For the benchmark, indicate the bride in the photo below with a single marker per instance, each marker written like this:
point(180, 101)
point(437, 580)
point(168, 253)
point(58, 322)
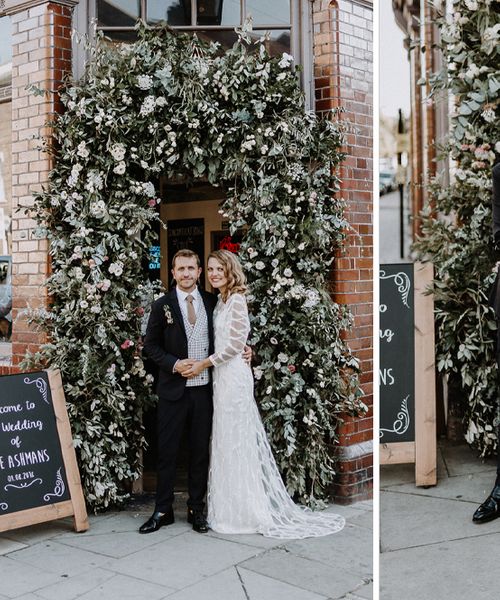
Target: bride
point(245, 491)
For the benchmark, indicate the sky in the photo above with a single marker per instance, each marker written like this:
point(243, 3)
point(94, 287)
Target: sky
point(394, 65)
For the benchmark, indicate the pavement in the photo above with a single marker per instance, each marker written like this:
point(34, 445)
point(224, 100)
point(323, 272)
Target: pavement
point(430, 549)
point(112, 561)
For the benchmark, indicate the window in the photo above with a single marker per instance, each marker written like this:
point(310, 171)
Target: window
point(5, 187)
point(211, 19)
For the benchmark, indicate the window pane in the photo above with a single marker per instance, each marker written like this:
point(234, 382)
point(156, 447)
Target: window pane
point(265, 12)
point(117, 13)
point(121, 36)
point(219, 12)
point(279, 40)
point(174, 12)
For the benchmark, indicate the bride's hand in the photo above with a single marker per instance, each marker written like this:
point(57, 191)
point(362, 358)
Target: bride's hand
point(195, 369)
point(247, 354)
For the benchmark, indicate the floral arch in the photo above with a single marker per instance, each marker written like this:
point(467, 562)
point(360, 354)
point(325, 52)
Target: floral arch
point(171, 105)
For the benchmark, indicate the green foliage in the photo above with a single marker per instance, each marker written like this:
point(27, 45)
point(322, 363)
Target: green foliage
point(171, 105)
point(456, 232)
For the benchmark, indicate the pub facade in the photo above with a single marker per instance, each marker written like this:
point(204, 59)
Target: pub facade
point(331, 40)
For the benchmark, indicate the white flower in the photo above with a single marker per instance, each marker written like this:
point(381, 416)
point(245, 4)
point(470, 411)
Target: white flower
point(285, 61)
point(287, 272)
point(96, 309)
point(116, 268)
point(252, 252)
point(94, 181)
point(258, 372)
point(273, 341)
point(118, 152)
point(144, 82)
point(84, 304)
point(301, 246)
point(269, 389)
point(490, 34)
point(472, 71)
point(312, 298)
point(149, 189)
point(281, 243)
point(471, 4)
point(264, 149)
point(148, 105)
point(161, 101)
point(497, 147)
point(105, 285)
point(83, 151)
point(275, 262)
point(488, 115)
point(282, 357)
point(277, 365)
point(98, 208)
point(78, 273)
point(259, 265)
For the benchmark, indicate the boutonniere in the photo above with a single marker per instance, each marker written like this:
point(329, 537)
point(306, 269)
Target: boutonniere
point(168, 315)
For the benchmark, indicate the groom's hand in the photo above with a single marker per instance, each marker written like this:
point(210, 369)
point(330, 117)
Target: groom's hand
point(183, 365)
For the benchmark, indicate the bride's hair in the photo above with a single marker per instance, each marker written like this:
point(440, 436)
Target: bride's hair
point(236, 280)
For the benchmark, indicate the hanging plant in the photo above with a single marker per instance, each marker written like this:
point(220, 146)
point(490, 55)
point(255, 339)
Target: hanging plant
point(456, 232)
point(170, 105)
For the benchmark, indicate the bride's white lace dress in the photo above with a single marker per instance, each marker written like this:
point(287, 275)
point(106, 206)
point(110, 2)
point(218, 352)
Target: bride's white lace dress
point(245, 491)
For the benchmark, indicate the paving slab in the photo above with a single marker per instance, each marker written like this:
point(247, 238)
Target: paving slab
point(409, 520)
point(121, 544)
point(462, 460)
point(18, 578)
point(225, 585)
point(350, 549)
point(463, 570)
point(53, 557)
point(69, 588)
point(471, 488)
point(43, 531)
point(260, 587)
point(7, 545)
point(182, 560)
point(325, 580)
point(121, 587)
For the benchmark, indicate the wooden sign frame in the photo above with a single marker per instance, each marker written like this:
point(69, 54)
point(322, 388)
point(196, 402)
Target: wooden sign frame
point(423, 451)
point(76, 505)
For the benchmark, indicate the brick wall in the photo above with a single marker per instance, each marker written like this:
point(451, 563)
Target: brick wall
point(343, 56)
point(41, 54)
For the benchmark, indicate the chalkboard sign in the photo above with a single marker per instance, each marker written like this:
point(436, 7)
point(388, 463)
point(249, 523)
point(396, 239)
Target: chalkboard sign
point(407, 369)
point(186, 233)
point(397, 353)
point(39, 478)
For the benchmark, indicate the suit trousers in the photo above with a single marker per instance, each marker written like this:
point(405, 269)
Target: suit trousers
point(195, 410)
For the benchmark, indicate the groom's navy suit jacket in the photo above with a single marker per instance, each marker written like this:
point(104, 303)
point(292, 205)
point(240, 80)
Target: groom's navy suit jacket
point(165, 342)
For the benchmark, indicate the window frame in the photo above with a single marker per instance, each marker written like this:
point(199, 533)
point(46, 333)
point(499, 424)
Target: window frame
point(300, 27)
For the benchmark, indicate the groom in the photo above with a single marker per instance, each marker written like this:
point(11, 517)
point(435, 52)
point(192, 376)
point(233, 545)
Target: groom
point(490, 508)
point(179, 333)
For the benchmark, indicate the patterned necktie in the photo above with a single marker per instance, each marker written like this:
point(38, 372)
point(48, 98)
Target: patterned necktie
point(191, 313)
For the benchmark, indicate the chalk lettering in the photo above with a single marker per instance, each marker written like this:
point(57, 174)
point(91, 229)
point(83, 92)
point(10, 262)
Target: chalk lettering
point(10, 408)
point(386, 377)
point(386, 334)
point(23, 459)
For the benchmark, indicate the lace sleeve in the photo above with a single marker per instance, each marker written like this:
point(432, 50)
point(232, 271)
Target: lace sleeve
point(239, 328)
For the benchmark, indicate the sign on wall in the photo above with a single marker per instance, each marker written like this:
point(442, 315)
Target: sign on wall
point(39, 478)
